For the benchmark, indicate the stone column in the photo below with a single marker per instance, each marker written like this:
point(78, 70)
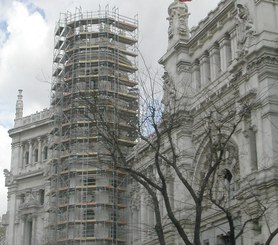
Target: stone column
point(214, 60)
point(20, 157)
point(204, 70)
point(34, 226)
point(196, 76)
point(225, 53)
point(23, 230)
point(233, 44)
point(39, 150)
point(30, 152)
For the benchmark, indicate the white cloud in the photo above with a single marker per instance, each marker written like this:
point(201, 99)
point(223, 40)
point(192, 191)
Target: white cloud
point(24, 56)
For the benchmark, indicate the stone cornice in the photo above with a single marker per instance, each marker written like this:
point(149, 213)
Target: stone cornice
point(213, 17)
point(29, 174)
point(268, 1)
point(30, 126)
point(262, 61)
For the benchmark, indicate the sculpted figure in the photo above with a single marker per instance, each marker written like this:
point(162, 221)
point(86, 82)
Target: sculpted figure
point(9, 178)
point(245, 29)
point(178, 20)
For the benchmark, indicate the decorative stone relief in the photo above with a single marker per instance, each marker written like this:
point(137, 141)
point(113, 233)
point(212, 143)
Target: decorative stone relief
point(135, 197)
point(30, 200)
point(245, 30)
point(9, 178)
point(183, 68)
point(227, 176)
point(165, 98)
point(178, 20)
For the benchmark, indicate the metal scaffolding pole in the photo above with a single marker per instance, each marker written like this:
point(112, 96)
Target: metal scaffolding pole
point(94, 71)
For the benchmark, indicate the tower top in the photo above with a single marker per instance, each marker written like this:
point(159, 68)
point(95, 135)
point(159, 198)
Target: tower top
point(178, 22)
point(177, 4)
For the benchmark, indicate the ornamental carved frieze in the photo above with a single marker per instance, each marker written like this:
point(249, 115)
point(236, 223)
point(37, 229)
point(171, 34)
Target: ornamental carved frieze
point(264, 60)
point(183, 68)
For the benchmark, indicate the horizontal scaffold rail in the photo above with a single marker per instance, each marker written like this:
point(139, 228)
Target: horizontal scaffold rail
point(111, 47)
point(110, 77)
point(73, 22)
point(96, 62)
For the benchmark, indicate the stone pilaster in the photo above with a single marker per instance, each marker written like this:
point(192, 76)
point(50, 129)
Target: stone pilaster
point(214, 60)
point(204, 70)
point(225, 53)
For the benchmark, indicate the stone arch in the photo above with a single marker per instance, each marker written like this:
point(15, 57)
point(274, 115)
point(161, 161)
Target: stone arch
point(36, 155)
point(226, 178)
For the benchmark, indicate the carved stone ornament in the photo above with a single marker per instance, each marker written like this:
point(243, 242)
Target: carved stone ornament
point(9, 178)
point(178, 19)
point(135, 197)
point(245, 30)
point(31, 200)
point(183, 68)
point(169, 92)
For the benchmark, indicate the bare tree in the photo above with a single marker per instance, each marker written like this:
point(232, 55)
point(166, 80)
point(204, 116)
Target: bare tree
point(204, 176)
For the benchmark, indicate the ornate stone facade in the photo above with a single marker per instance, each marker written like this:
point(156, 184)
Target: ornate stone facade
point(226, 63)
point(27, 203)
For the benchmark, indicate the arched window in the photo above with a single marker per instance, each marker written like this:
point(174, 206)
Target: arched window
point(45, 153)
point(41, 196)
point(224, 180)
point(26, 158)
point(90, 214)
point(36, 155)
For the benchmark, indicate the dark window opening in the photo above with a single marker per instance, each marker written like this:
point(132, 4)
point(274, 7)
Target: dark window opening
point(89, 181)
point(90, 214)
point(89, 230)
point(26, 157)
point(45, 153)
point(36, 155)
point(41, 196)
point(228, 175)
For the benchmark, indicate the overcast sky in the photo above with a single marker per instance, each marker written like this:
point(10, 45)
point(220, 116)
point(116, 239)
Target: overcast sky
point(26, 48)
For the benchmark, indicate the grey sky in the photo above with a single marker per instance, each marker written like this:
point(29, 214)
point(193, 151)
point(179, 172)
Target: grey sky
point(26, 47)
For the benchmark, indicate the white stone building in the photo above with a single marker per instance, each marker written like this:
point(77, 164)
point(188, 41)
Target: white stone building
point(229, 60)
point(26, 217)
point(62, 185)
point(226, 63)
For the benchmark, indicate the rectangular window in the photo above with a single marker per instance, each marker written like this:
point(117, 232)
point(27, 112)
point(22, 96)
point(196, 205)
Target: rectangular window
point(206, 242)
point(89, 181)
point(89, 230)
point(41, 196)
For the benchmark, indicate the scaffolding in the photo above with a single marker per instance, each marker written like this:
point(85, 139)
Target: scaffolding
point(95, 61)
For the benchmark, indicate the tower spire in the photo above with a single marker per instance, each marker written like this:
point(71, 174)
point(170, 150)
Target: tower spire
point(19, 105)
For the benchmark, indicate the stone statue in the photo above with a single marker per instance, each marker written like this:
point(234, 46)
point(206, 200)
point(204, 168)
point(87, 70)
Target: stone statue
point(9, 178)
point(178, 20)
point(169, 93)
point(30, 200)
point(245, 30)
point(7, 173)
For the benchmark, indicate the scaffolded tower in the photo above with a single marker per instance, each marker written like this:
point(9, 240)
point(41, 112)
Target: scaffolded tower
point(94, 74)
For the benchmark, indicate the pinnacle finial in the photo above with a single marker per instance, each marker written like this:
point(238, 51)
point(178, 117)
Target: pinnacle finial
point(178, 22)
point(19, 105)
